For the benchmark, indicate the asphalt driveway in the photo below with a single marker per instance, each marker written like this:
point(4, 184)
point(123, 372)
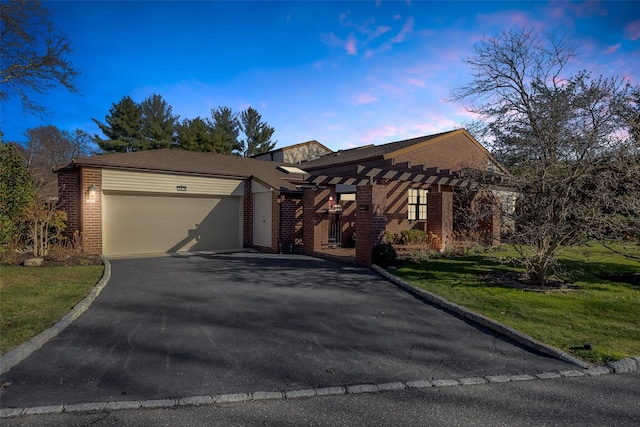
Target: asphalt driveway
point(172, 327)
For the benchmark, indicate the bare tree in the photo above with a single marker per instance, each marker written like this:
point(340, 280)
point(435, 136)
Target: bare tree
point(34, 54)
point(565, 138)
point(48, 147)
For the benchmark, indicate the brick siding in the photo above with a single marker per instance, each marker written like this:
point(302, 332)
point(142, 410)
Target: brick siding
point(91, 210)
point(69, 198)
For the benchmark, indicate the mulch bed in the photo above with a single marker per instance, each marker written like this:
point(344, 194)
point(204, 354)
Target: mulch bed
point(521, 281)
point(66, 261)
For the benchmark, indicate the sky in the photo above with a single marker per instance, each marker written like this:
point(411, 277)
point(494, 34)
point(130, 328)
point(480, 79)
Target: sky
point(346, 74)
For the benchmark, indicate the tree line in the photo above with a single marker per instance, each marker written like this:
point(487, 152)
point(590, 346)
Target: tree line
point(151, 125)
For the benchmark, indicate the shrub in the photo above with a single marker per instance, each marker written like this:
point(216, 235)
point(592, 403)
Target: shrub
point(410, 237)
point(384, 255)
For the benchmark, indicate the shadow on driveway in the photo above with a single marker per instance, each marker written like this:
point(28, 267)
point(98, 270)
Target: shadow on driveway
point(171, 327)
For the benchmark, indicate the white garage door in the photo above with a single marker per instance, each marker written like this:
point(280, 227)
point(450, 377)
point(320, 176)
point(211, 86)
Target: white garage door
point(139, 224)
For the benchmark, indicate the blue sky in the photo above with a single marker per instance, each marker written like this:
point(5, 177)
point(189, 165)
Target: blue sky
point(343, 73)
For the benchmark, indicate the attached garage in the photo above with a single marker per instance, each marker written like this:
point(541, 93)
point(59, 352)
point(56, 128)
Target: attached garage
point(145, 213)
point(168, 200)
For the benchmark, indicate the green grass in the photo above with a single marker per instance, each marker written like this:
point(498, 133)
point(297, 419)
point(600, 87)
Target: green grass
point(601, 312)
point(34, 298)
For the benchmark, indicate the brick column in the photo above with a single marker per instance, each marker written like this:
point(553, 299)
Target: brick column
point(371, 219)
point(315, 204)
point(291, 210)
point(440, 216)
point(91, 209)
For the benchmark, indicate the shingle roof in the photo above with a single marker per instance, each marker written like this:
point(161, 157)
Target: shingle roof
point(369, 152)
point(190, 162)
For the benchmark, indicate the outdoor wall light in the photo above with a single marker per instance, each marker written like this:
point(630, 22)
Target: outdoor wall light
point(91, 193)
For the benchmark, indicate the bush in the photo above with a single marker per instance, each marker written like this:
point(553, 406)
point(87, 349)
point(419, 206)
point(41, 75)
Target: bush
point(411, 237)
point(384, 255)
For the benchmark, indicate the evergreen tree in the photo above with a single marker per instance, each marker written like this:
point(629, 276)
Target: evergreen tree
point(123, 129)
point(17, 193)
point(225, 129)
point(195, 135)
point(158, 124)
point(258, 133)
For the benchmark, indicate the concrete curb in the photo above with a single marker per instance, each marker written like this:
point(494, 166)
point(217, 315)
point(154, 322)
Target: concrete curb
point(258, 396)
point(18, 354)
point(498, 327)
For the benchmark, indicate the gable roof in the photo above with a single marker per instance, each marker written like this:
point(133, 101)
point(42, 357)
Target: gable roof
point(301, 144)
point(369, 152)
point(389, 151)
point(194, 163)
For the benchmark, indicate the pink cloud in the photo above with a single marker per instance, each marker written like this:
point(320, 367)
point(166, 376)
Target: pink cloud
point(364, 98)
point(632, 30)
point(350, 45)
point(331, 39)
point(585, 9)
point(504, 19)
point(417, 82)
point(612, 49)
point(397, 17)
point(393, 90)
point(407, 29)
point(382, 132)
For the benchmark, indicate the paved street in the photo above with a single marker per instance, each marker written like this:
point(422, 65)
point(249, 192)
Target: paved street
point(610, 400)
point(172, 327)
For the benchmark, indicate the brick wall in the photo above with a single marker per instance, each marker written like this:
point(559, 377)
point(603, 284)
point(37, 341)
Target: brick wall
point(70, 198)
point(455, 152)
point(291, 218)
point(315, 220)
point(91, 209)
point(371, 219)
point(440, 215)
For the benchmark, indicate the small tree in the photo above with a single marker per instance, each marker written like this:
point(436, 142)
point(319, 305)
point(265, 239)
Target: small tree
point(48, 147)
point(45, 224)
point(558, 134)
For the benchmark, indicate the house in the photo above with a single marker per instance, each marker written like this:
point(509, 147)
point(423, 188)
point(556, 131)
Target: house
point(296, 153)
point(173, 200)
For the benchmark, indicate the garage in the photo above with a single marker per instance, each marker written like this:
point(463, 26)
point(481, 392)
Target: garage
point(158, 201)
point(139, 224)
point(145, 213)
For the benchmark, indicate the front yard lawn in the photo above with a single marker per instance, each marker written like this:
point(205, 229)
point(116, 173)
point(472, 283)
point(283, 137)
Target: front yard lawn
point(34, 298)
point(604, 313)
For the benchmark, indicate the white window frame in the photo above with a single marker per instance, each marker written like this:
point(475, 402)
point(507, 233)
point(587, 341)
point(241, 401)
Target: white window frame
point(417, 204)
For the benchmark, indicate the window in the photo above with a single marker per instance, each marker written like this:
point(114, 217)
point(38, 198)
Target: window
point(417, 208)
